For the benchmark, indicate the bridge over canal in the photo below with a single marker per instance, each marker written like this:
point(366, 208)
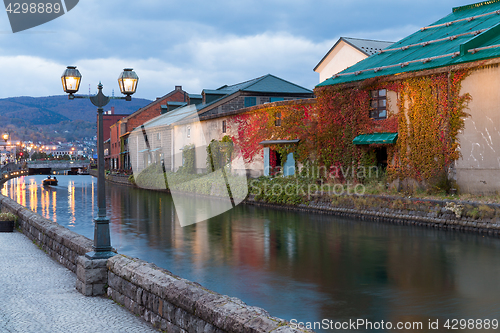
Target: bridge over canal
point(47, 167)
point(10, 167)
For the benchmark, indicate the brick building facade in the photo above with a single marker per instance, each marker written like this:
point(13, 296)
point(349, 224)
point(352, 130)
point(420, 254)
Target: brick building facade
point(109, 118)
point(122, 128)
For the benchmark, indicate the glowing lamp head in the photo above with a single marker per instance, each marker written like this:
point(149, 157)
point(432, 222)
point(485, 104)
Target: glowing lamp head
point(71, 79)
point(128, 82)
point(5, 136)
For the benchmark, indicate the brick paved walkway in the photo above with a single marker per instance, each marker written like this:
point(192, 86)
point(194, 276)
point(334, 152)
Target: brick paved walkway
point(38, 295)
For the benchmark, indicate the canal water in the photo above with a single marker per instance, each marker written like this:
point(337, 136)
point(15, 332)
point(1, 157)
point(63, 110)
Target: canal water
point(298, 266)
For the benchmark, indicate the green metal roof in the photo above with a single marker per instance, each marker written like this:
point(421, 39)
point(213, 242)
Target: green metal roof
point(267, 84)
point(468, 34)
point(174, 103)
point(264, 84)
point(375, 138)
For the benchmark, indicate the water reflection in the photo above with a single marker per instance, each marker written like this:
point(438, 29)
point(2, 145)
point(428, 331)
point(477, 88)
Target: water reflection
point(33, 194)
point(71, 203)
point(60, 203)
point(303, 266)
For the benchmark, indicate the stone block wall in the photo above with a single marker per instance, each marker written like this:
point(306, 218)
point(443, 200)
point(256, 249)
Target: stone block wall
point(443, 214)
point(60, 243)
point(92, 276)
point(118, 179)
point(177, 305)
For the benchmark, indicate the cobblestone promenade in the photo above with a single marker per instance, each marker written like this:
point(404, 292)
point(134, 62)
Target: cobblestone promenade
point(38, 295)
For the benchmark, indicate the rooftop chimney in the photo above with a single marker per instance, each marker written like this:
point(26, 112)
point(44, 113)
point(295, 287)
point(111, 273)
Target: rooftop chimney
point(178, 87)
point(112, 110)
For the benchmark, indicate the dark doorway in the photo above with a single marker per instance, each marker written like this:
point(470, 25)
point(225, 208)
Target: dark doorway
point(278, 158)
point(275, 167)
point(381, 155)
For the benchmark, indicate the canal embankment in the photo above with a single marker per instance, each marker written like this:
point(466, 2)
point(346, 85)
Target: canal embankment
point(60, 243)
point(113, 178)
point(168, 301)
point(451, 214)
point(442, 214)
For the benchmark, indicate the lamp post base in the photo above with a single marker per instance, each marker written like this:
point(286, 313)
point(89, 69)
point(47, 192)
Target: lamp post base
point(92, 276)
point(102, 241)
point(100, 255)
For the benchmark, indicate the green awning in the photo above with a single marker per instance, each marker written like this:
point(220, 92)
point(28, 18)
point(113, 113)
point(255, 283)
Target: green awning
point(278, 142)
point(375, 138)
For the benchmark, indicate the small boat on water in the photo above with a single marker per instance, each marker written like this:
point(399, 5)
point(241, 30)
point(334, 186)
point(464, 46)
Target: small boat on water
point(83, 172)
point(50, 182)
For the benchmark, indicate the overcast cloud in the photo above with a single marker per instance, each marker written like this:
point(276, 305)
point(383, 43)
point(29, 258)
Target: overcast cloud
point(197, 44)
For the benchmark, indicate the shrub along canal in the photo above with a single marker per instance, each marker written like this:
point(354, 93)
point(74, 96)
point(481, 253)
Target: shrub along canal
point(298, 266)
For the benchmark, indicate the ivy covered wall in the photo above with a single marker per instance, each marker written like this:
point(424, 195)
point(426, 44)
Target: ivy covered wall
point(430, 115)
point(433, 115)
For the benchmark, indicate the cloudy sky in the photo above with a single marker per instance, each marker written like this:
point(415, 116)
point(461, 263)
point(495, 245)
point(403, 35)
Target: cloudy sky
point(197, 43)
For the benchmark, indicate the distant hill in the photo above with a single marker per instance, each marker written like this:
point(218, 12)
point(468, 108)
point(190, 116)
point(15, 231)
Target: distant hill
point(53, 115)
point(54, 109)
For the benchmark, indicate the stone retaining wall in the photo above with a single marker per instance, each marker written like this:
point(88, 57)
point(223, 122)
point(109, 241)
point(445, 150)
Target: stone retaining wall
point(119, 179)
point(177, 305)
point(443, 214)
point(60, 243)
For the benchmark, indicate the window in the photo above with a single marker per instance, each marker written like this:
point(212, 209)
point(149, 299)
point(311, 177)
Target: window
point(277, 121)
point(378, 104)
point(250, 101)
point(276, 99)
point(188, 131)
point(158, 136)
point(224, 126)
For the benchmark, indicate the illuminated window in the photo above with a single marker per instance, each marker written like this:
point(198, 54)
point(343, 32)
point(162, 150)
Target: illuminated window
point(378, 104)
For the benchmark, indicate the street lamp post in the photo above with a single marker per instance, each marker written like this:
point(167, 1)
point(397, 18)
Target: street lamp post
point(127, 81)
